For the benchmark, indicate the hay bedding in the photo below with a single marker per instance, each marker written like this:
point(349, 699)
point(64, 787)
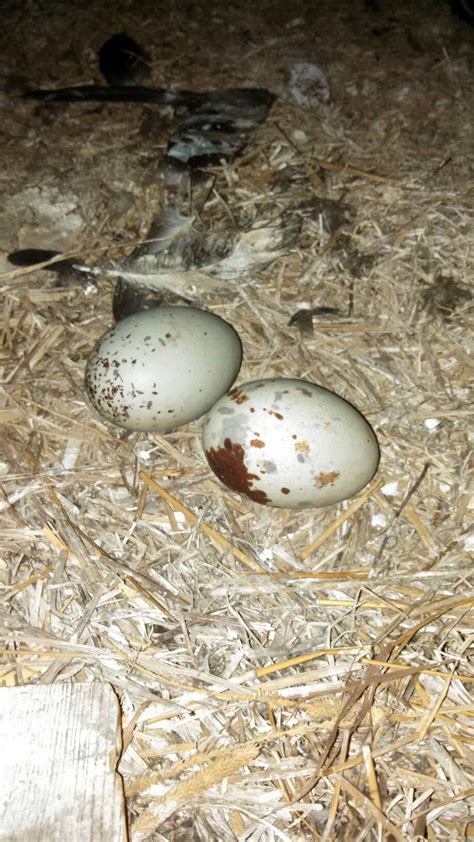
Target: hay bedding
point(282, 675)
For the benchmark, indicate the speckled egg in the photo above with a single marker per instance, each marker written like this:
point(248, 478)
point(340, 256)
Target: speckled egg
point(159, 369)
point(289, 443)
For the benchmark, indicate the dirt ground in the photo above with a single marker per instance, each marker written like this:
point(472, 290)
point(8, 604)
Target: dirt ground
point(283, 675)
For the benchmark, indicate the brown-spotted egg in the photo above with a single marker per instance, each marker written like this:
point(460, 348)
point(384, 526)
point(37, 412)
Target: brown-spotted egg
point(161, 368)
point(289, 443)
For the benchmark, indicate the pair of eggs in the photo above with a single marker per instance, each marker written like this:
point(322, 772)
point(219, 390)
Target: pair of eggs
point(282, 442)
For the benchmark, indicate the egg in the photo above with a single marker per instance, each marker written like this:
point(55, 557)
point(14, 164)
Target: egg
point(161, 368)
point(289, 443)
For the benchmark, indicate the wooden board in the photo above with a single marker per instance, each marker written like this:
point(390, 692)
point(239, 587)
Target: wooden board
point(59, 748)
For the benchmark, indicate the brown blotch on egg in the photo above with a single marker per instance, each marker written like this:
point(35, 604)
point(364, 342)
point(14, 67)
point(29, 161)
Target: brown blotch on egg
point(257, 443)
point(228, 464)
point(237, 396)
point(324, 479)
point(302, 447)
point(274, 413)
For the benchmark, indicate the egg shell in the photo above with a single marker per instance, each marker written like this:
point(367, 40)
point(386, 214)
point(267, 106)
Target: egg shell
point(289, 443)
point(161, 368)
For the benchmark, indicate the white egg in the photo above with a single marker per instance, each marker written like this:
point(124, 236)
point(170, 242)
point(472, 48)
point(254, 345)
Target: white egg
point(289, 443)
point(159, 369)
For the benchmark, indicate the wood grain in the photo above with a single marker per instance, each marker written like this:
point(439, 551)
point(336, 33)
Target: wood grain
point(60, 746)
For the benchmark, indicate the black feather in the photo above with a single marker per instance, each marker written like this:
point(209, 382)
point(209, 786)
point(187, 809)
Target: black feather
point(124, 93)
point(464, 9)
point(218, 126)
point(123, 62)
point(67, 270)
point(29, 257)
point(128, 299)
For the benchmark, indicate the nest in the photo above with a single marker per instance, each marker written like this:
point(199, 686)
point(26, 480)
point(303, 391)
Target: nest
point(282, 675)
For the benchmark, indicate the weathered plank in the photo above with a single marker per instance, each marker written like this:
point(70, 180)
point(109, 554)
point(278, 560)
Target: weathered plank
point(59, 748)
